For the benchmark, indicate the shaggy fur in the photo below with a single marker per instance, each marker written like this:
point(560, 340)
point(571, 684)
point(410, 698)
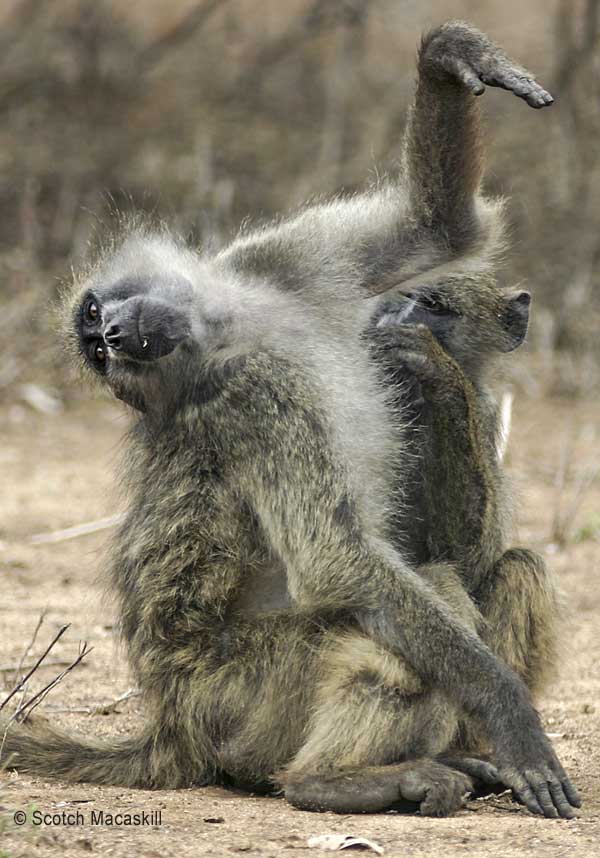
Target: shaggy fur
point(439, 348)
point(264, 453)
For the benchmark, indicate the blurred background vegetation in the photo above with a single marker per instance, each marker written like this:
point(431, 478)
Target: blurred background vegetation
point(211, 112)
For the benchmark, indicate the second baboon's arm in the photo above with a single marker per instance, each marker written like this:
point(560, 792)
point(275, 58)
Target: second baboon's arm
point(300, 497)
point(462, 493)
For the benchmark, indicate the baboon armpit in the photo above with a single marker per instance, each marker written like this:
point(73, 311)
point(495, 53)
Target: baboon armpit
point(440, 345)
point(260, 462)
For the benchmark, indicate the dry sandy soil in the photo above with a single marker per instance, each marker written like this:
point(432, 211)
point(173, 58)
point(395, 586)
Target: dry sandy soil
point(58, 470)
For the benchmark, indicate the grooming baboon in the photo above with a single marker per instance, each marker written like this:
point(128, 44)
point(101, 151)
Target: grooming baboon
point(268, 621)
point(439, 346)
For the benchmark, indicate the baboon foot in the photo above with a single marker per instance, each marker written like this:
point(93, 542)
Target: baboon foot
point(468, 56)
point(430, 787)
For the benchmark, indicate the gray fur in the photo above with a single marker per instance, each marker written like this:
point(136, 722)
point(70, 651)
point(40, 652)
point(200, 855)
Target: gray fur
point(264, 444)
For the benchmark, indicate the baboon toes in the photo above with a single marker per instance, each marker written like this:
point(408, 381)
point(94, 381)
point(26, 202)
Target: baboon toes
point(438, 790)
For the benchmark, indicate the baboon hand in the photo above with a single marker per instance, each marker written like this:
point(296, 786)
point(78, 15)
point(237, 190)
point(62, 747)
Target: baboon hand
point(542, 786)
point(412, 348)
point(456, 51)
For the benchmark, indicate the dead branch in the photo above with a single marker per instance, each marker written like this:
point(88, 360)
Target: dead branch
point(18, 667)
point(505, 423)
point(193, 21)
point(319, 18)
point(575, 48)
point(29, 647)
point(30, 672)
point(100, 708)
point(25, 709)
point(107, 708)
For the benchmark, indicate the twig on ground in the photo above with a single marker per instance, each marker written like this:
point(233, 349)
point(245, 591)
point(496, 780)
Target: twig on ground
point(69, 710)
point(29, 646)
point(100, 708)
point(76, 530)
point(25, 709)
point(51, 662)
point(107, 708)
point(26, 706)
point(30, 672)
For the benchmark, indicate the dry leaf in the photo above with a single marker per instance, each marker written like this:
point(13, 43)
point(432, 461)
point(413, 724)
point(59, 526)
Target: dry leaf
point(335, 842)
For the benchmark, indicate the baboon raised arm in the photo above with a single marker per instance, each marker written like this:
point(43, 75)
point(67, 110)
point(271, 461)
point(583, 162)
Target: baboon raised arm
point(442, 152)
point(432, 212)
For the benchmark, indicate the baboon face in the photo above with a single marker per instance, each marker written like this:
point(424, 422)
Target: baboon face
point(127, 328)
point(469, 318)
point(429, 309)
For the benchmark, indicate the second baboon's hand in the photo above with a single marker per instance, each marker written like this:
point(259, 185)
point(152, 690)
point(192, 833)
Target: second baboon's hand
point(413, 348)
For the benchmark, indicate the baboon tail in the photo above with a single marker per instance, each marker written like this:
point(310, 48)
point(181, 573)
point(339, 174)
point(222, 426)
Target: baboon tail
point(37, 748)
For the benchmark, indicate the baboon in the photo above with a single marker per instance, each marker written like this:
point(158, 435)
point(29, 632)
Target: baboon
point(268, 620)
point(439, 346)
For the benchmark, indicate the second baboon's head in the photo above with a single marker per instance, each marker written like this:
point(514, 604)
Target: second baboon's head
point(470, 316)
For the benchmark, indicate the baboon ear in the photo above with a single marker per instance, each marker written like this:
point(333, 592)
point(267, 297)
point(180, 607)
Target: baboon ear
point(515, 319)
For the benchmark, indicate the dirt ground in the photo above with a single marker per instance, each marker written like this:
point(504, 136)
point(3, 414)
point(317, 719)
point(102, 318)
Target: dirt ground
point(57, 471)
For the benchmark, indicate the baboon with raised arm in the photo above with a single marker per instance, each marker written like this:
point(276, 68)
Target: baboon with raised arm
point(268, 620)
point(439, 346)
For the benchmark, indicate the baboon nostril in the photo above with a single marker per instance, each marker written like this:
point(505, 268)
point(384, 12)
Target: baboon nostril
point(112, 337)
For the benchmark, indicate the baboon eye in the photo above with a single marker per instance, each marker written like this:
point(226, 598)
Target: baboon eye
point(91, 311)
point(97, 352)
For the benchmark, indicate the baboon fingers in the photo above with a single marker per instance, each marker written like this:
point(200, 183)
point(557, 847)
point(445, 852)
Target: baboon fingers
point(571, 793)
point(560, 800)
point(521, 85)
point(473, 60)
point(523, 792)
point(461, 70)
point(413, 362)
point(543, 794)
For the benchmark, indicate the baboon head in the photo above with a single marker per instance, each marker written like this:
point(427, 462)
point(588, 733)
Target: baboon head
point(470, 316)
point(139, 315)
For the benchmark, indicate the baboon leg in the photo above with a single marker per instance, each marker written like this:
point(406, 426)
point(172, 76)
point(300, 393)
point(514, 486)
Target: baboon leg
point(371, 711)
point(376, 725)
point(521, 608)
point(434, 788)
